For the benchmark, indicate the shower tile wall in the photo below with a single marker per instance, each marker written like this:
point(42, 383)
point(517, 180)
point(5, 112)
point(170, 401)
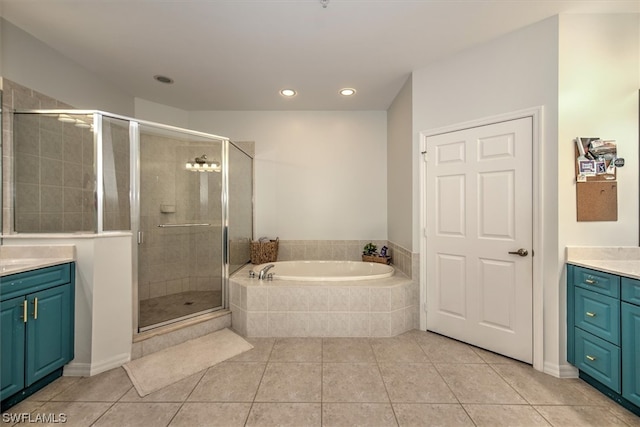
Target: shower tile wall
point(54, 176)
point(14, 97)
point(174, 260)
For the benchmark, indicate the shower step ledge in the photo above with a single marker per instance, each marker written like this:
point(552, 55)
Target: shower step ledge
point(149, 342)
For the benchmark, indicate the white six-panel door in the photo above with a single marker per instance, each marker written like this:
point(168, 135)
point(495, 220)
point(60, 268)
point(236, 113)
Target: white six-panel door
point(479, 208)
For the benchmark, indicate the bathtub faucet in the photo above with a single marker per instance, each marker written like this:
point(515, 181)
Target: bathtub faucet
point(263, 272)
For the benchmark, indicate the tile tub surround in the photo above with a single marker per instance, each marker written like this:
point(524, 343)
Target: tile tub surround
point(368, 308)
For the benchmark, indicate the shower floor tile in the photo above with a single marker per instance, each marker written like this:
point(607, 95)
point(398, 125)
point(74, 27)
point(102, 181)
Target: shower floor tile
point(168, 307)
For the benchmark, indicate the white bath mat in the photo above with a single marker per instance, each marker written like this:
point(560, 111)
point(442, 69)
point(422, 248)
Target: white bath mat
point(165, 367)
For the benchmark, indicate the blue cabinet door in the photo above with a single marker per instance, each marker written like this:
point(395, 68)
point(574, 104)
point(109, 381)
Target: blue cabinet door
point(12, 328)
point(49, 331)
point(631, 352)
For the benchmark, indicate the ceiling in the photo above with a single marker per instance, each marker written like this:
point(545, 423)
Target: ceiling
point(238, 54)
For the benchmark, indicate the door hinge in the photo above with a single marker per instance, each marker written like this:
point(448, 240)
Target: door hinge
point(425, 155)
point(140, 237)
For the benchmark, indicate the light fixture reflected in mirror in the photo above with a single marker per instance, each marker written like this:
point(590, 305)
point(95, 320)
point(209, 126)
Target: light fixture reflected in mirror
point(201, 164)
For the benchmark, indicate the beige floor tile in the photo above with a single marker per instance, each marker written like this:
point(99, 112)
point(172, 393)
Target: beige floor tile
point(26, 406)
point(440, 349)
point(128, 414)
point(78, 414)
point(595, 397)
point(285, 414)
point(259, 353)
point(53, 389)
point(291, 382)
point(177, 392)
point(352, 382)
point(229, 382)
point(398, 350)
point(211, 414)
point(347, 350)
point(425, 415)
point(582, 416)
point(415, 382)
point(297, 350)
point(494, 358)
point(478, 383)
point(505, 416)
point(625, 415)
point(358, 414)
point(541, 389)
point(108, 386)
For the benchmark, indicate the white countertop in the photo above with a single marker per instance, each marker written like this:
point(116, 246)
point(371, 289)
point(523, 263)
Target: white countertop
point(622, 261)
point(20, 265)
point(18, 259)
point(625, 268)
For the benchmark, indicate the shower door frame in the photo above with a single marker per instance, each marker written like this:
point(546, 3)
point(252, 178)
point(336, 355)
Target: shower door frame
point(138, 237)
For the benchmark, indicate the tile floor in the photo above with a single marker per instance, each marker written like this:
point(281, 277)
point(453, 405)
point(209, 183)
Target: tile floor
point(416, 379)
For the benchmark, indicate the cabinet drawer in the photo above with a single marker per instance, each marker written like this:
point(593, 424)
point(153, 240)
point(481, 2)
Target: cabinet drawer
point(598, 358)
point(598, 314)
point(630, 291)
point(597, 281)
point(34, 280)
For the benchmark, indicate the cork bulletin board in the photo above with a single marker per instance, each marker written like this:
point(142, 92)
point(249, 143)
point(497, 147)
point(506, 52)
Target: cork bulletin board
point(596, 186)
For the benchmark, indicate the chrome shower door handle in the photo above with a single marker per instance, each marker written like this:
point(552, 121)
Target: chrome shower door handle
point(521, 252)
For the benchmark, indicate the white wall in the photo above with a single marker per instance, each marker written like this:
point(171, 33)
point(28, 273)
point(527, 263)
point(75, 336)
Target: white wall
point(159, 113)
point(399, 159)
point(515, 72)
point(599, 82)
point(31, 63)
point(319, 175)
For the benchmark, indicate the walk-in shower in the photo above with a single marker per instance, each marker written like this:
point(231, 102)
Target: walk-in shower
point(186, 196)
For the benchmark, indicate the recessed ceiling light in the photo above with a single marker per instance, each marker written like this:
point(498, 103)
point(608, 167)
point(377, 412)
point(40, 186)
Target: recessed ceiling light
point(163, 79)
point(347, 91)
point(288, 93)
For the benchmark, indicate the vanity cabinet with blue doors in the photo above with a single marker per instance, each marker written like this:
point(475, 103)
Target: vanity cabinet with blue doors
point(37, 329)
point(603, 332)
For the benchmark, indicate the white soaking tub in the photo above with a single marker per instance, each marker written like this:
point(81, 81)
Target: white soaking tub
point(326, 271)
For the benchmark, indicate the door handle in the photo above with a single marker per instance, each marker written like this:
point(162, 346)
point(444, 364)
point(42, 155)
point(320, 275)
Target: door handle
point(35, 308)
point(521, 252)
point(24, 311)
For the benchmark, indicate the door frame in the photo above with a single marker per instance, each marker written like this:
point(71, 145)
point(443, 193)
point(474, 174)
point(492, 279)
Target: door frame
point(536, 113)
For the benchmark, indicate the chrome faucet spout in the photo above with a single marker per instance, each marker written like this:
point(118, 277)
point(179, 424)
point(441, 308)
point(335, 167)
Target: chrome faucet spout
point(263, 272)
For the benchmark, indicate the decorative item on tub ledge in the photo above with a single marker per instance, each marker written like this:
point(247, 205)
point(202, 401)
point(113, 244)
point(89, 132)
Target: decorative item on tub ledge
point(369, 254)
point(264, 250)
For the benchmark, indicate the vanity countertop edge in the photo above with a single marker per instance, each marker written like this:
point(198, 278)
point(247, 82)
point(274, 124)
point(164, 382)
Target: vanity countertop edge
point(622, 261)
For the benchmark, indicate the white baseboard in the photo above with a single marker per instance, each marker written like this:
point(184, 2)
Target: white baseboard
point(74, 369)
point(560, 371)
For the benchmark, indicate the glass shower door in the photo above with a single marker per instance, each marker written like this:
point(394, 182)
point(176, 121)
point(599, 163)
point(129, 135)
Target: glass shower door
point(180, 244)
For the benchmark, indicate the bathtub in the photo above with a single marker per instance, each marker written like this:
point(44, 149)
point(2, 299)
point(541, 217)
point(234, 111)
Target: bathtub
point(323, 299)
point(327, 271)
